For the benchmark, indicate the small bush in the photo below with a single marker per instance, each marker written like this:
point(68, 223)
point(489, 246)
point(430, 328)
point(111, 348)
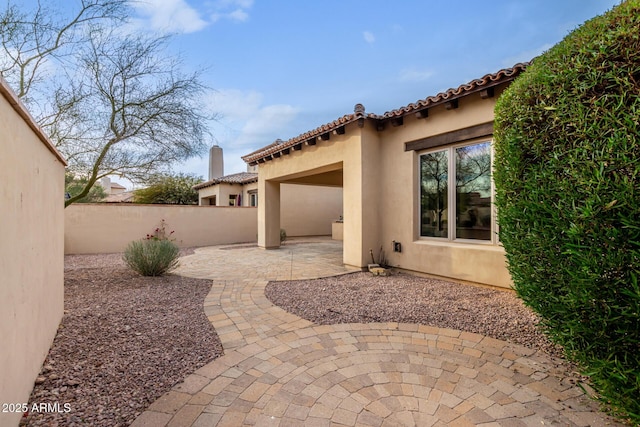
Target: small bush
point(283, 235)
point(567, 175)
point(152, 257)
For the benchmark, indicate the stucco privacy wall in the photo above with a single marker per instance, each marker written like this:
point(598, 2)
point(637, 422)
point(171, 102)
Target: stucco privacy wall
point(104, 228)
point(308, 210)
point(31, 250)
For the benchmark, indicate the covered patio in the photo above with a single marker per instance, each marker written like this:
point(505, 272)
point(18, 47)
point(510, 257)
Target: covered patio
point(347, 157)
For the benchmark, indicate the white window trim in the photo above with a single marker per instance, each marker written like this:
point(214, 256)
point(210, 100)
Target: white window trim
point(451, 207)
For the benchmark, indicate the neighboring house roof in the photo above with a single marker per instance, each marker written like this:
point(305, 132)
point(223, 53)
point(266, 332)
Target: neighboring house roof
point(117, 186)
point(126, 197)
point(485, 83)
point(22, 111)
point(236, 178)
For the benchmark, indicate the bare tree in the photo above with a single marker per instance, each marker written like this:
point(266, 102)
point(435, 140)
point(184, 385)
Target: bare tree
point(31, 39)
point(122, 105)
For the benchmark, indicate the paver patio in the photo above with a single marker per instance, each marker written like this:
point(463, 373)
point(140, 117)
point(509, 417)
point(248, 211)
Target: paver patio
point(281, 370)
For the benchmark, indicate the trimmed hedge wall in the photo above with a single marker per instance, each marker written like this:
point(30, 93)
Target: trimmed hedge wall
point(567, 176)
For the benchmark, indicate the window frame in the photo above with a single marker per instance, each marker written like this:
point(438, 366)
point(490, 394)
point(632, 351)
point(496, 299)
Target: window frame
point(253, 198)
point(451, 194)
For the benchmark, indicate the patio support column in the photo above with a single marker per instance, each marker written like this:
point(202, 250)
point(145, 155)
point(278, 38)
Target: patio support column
point(268, 214)
point(361, 195)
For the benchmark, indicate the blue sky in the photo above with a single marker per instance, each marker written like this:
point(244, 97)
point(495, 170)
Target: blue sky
point(279, 68)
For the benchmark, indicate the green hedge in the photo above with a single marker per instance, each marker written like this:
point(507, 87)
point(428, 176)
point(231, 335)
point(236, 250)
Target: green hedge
point(567, 165)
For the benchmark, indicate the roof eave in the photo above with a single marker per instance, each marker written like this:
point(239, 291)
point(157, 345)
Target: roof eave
point(484, 83)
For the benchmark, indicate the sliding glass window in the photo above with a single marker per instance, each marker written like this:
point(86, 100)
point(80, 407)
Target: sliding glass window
point(456, 194)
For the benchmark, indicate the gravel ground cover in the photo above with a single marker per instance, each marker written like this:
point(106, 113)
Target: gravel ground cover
point(362, 297)
point(125, 339)
point(123, 342)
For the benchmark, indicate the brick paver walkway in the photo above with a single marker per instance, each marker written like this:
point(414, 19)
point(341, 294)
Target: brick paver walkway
point(280, 370)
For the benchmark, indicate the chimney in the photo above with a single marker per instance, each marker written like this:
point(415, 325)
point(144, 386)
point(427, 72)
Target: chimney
point(105, 183)
point(216, 163)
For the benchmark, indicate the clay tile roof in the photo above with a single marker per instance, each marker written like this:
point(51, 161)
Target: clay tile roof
point(277, 148)
point(475, 85)
point(359, 113)
point(236, 178)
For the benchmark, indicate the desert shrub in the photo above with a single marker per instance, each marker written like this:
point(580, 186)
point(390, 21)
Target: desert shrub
point(151, 257)
point(283, 235)
point(567, 168)
point(169, 189)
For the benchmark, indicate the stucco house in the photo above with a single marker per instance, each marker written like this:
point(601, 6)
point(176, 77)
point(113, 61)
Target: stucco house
point(416, 181)
point(238, 189)
point(116, 193)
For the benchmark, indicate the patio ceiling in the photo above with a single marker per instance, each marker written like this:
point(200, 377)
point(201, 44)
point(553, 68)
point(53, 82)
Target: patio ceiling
point(329, 176)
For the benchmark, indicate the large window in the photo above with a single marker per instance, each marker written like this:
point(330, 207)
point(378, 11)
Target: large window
point(456, 193)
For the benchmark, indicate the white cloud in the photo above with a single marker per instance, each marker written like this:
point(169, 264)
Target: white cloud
point(415, 75)
point(245, 125)
point(368, 37)
point(246, 122)
point(169, 16)
point(244, 4)
point(233, 10)
point(238, 15)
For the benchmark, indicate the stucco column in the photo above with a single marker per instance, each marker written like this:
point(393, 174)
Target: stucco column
point(268, 214)
point(361, 192)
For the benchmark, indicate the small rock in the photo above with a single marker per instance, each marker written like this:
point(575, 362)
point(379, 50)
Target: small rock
point(378, 271)
point(40, 380)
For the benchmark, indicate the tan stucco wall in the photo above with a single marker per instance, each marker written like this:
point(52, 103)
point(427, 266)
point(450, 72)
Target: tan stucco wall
point(307, 210)
point(205, 195)
point(31, 251)
point(474, 262)
point(105, 228)
point(245, 192)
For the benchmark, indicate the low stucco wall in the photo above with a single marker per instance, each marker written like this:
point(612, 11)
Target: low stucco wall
point(105, 228)
point(31, 251)
point(309, 210)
